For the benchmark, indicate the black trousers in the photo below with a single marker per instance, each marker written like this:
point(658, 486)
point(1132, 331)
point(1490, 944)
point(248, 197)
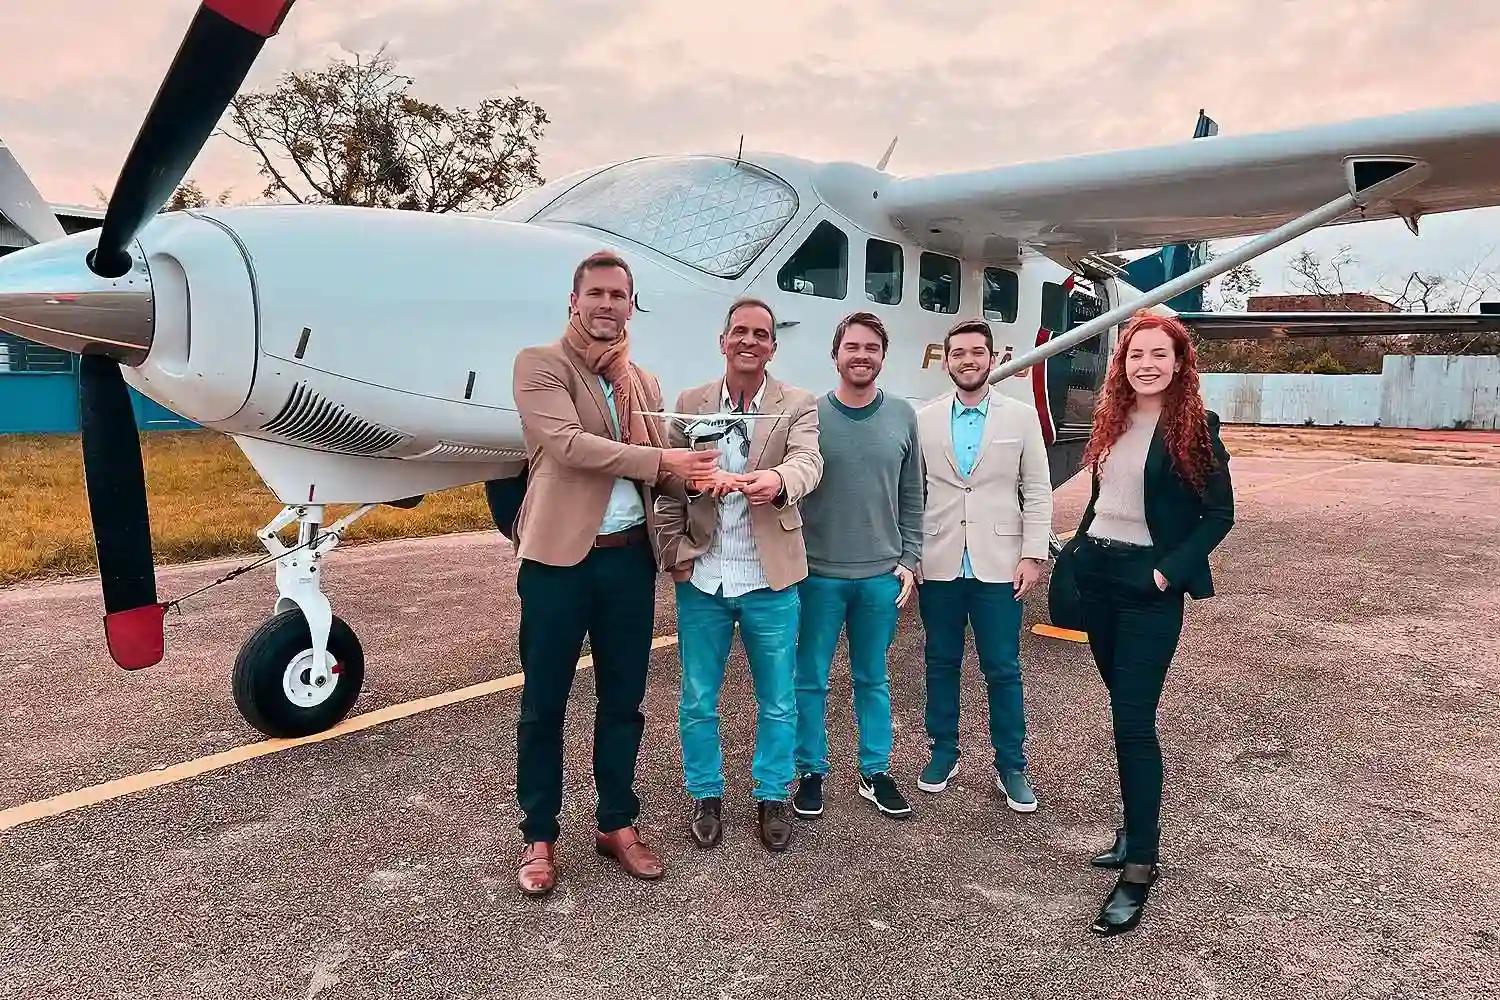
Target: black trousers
point(611, 597)
point(1133, 630)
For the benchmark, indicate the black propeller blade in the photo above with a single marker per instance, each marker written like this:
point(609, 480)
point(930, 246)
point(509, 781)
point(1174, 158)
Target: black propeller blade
point(218, 50)
point(116, 481)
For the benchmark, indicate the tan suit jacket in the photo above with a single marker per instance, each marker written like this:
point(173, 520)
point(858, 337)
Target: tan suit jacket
point(574, 455)
point(790, 446)
point(984, 510)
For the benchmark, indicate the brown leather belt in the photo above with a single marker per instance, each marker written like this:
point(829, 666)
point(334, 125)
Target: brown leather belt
point(620, 539)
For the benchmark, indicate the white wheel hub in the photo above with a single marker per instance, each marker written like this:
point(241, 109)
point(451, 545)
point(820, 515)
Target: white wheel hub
point(301, 685)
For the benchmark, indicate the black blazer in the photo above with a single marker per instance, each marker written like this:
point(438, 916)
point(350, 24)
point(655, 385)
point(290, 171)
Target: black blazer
point(1185, 525)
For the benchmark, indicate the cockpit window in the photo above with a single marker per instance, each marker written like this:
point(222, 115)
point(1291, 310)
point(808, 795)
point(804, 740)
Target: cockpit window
point(713, 214)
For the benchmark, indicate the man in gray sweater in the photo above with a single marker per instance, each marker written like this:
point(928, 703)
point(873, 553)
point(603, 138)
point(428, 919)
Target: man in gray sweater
point(863, 529)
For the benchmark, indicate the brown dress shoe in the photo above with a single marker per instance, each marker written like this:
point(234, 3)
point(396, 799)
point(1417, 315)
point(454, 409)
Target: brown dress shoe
point(707, 826)
point(538, 872)
point(626, 847)
point(775, 826)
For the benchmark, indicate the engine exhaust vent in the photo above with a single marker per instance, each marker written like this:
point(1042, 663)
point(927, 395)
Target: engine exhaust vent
point(311, 419)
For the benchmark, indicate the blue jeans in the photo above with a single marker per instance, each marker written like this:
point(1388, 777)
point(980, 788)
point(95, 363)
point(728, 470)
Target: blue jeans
point(948, 607)
point(868, 607)
point(768, 628)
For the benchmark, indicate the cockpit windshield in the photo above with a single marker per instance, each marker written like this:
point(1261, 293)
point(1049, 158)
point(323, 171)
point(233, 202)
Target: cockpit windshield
point(710, 213)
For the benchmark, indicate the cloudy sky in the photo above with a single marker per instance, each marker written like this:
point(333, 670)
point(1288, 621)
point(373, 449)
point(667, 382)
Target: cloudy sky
point(965, 83)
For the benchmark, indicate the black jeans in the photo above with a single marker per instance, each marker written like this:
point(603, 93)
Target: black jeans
point(1133, 629)
point(611, 596)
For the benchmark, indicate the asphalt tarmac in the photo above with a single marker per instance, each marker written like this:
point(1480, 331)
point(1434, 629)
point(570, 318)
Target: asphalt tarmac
point(1331, 727)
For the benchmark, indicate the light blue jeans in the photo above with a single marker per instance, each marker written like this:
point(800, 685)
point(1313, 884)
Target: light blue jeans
point(768, 628)
point(868, 607)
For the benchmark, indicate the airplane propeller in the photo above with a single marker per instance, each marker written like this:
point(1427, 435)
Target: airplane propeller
point(220, 46)
point(217, 52)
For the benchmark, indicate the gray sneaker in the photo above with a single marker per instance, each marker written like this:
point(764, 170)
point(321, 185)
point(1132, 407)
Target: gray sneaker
point(1017, 791)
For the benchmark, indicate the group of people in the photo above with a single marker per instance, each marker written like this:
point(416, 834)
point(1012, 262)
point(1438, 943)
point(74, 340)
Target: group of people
point(809, 517)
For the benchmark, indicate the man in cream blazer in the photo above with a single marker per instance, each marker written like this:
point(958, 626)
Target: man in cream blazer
point(985, 533)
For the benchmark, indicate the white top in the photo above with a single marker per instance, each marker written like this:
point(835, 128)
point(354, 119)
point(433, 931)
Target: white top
point(1120, 511)
point(732, 560)
point(625, 509)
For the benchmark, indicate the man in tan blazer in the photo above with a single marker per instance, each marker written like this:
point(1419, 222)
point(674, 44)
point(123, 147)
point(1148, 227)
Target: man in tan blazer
point(588, 565)
point(985, 533)
point(736, 554)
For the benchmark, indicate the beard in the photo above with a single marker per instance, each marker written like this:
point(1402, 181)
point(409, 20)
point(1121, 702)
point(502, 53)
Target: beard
point(969, 381)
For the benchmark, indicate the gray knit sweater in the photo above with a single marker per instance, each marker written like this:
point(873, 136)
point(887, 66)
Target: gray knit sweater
point(866, 514)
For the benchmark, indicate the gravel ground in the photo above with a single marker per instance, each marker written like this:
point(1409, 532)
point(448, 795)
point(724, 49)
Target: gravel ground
point(1331, 727)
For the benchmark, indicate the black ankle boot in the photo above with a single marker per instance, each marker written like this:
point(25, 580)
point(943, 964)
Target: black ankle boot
point(1115, 856)
point(1123, 907)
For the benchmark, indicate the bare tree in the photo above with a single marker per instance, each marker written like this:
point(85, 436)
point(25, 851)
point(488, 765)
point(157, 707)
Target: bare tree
point(1330, 281)
point(190, 195)
point(350, 134)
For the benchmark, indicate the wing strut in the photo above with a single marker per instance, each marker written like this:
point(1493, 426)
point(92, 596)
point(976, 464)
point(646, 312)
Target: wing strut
point(1368, 178)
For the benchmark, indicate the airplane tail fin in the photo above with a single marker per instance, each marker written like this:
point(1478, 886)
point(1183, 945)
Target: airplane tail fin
point(1174, 261)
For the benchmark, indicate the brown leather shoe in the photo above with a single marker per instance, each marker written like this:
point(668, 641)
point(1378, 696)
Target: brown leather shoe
point(626, 847)
point(707, 825)
point(775, 826)
point(538, 872)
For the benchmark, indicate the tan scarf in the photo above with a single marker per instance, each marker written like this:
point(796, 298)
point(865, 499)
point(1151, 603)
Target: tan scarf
point(610, 359)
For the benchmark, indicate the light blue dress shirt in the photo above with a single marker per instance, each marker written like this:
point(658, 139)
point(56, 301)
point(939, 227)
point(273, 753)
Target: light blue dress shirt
point(625, 509)
point(968, 434)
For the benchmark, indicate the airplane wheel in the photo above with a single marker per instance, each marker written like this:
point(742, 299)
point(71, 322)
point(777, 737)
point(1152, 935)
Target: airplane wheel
point(273, 684)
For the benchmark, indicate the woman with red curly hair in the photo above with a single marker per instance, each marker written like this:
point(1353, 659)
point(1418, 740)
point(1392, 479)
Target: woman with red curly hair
point(1162, 500)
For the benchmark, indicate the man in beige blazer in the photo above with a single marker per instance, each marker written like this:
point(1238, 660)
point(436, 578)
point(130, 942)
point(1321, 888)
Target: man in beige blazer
point(985, 533)
point(588, 566)
point(737, 555)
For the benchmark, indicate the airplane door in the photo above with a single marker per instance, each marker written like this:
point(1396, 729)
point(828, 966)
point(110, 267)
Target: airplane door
point(1075, 377)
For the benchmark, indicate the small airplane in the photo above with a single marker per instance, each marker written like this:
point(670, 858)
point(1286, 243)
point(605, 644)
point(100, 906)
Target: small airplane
point(363, 356)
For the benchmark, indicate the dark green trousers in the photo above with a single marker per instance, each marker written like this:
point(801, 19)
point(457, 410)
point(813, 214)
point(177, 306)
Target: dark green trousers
point(1133, 630)
point(611, 598)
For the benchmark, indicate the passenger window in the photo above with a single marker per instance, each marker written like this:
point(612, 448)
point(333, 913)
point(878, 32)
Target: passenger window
point(937, 287)
point(1001, 292)
point(820, 266)
point(1054, 307)
point(883, 272)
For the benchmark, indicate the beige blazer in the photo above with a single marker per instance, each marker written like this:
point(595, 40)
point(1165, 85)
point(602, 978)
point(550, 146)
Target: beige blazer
point(1002, 511)
point(574, 456)
point(790, 446)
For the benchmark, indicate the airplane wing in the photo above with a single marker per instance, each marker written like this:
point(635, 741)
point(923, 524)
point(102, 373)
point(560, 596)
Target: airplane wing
point(1200, 189)
point(1278, 325)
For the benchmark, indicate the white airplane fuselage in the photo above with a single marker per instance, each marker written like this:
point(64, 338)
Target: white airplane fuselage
point(364, 355)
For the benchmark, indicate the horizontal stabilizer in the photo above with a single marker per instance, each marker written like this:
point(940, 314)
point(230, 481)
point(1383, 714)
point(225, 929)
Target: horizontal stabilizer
point(1277, 325)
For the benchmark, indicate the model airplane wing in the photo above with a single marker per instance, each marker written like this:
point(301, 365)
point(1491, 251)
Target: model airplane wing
point(1201, 189)
point(1277, 325)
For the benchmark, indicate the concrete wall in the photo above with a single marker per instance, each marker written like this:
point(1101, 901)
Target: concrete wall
point(1420, 392)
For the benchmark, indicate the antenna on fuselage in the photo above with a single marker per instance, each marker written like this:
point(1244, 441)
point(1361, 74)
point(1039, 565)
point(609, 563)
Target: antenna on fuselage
point(888, 151)
point(741, 153)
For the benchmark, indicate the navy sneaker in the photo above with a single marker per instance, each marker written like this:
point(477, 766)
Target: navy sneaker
point(881, 790)
point(808, 801)
point(1017, 791)
point(938, 772)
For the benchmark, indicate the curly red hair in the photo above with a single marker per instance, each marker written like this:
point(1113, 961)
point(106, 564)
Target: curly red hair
point(1184, 421)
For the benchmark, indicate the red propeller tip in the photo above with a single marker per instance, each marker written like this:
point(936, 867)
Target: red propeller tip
point(137, 638)
point(260, 16)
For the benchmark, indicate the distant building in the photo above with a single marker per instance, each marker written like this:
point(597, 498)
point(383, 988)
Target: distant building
point(1347, 302)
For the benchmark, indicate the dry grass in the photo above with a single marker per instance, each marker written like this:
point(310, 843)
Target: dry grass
point(205, 501)
point(1476, 449)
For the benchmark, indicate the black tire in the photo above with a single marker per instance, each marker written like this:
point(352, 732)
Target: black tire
point(262, 664)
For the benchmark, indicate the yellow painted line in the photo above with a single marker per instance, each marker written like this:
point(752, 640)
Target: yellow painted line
point(1251, 491)
point(1053, 632)
point(81, 798)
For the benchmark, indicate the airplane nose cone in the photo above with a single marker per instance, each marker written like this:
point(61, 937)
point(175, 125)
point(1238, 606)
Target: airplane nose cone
point(49, 296)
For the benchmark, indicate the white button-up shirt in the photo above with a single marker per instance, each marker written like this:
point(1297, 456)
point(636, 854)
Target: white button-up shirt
point(732, 560)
